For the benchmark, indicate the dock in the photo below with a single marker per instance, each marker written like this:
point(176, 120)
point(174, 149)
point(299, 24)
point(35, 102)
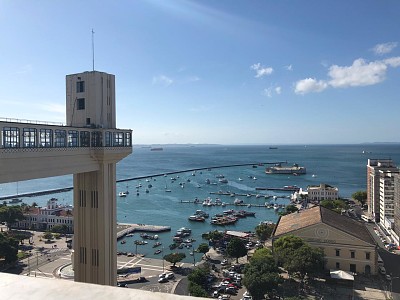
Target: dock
point(125, 229)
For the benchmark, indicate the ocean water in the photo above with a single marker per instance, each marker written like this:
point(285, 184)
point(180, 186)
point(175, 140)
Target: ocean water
point(343, 166)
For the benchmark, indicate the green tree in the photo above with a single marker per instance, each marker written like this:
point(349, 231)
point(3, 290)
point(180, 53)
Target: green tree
point(11, 214)
point(199, 276)
point(261, 253)
point(305, 261)
point(173, 258)
point(203, 248)
point(196, 290)
point(62, 229)
point(360, 196)
point(289, 209)
point(236, 248)
point(264, 231)
point(261, 274)
point(48, 235)
point(297, 257)
point(8, 248)
point(336, 205)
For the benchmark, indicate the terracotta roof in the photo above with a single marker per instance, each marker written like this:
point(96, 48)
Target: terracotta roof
point(297, 220)
point(319, 214)
point(346, 224)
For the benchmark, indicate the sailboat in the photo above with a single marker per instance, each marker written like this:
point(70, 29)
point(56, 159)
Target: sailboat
point(16, 199)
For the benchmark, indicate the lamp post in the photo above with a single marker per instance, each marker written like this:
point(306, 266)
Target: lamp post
point(194, 258)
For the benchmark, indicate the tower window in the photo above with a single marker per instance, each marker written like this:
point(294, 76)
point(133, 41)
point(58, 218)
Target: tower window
point(80, 86)
point(81, 103)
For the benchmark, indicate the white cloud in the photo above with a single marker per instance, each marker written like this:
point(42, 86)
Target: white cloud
point(269, 92)
point(191, 79)
point(394, 62)
point(308, 85)
point(289, 68)
point(261, 71)
point(360, 73)
point(163, 80)
point(385, 48)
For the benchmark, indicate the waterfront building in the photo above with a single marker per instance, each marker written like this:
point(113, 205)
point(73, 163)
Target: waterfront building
point(396, 214)
point(374, 167)
point(347, 243)
point(45, 218)
point(386, 199)
point(88, 147)
point(322, 192)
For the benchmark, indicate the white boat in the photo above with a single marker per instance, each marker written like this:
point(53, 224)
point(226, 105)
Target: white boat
point(122, 194)
point(240, 179)
point(276, 206)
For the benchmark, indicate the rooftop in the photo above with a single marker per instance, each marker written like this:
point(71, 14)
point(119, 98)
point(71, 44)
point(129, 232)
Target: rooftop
point(319, 214)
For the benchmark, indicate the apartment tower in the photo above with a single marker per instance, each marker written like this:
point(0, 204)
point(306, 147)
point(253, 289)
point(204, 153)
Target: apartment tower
point(374, 167)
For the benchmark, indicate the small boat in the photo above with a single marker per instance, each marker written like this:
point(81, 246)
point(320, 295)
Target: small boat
point(129, 235)
point(168, 191)
point(223, 180)
point(172, 246)
point(158, 251)
point(156, 244)
point(191, 253)
point(123, 242)
point(240, 179)
point(122, 194)
point(196, 218)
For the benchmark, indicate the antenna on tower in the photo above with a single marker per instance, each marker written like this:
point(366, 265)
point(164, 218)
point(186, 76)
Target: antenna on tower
point(93, 48)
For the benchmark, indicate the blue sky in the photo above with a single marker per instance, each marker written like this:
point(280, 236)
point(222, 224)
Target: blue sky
point(226, 72)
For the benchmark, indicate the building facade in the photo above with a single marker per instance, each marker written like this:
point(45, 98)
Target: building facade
point(322, 192)
point(45, 218)
point(347, 243)
point(374, 167)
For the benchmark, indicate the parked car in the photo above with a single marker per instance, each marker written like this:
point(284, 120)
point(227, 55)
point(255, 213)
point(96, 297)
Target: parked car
point(122, 284)
point(162, 280)
point(169, 275)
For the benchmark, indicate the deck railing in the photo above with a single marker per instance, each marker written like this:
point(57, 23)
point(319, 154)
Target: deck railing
point(15, 135)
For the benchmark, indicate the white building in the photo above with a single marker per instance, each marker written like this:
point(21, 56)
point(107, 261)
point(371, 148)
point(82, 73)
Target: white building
point(45, 218)
point(322, 192)
point(386, 195)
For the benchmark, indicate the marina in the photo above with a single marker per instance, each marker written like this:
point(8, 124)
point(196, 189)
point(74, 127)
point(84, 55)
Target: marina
point(247, 181)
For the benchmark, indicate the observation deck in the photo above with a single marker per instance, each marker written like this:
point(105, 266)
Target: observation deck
point(44, 149)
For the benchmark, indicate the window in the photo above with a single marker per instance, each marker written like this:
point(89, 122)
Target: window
point(29, 137)
point(59, 138)
point(337, 252)
point(353, 268)
point(45, 138)
point(108, 139)
point(73, 138)
point(80, 86)
point(352, 254)
point(11, 137)
point(97, 140)
point(118, 139)
point(368, 255)
point(337, 266)
point(85, 138)
point(128, 141)
point(80, 103)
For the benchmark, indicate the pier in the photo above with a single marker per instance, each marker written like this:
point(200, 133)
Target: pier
point(229, 204)
point(129, 228)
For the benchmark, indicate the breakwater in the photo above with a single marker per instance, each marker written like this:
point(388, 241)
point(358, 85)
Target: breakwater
point(66, 189)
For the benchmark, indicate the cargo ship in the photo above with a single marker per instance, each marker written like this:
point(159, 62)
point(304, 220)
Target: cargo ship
point(279, 169)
